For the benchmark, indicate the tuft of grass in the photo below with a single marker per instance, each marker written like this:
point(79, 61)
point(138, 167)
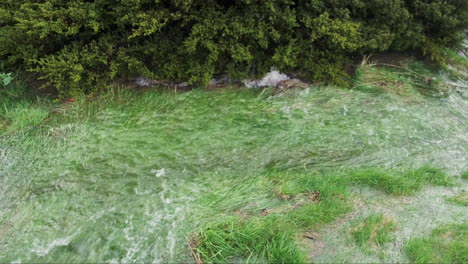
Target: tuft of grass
point(252, 241)
point(460, 199)
point(446, 244)
point(372, 231)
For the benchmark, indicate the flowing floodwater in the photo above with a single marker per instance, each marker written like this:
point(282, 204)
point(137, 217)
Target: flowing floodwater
point(131, 183)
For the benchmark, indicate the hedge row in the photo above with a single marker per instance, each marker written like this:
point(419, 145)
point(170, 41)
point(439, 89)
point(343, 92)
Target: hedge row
point(80, 45)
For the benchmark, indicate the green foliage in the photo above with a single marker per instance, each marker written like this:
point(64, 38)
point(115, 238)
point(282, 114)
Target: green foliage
point(78, 46)
point(374, 230)
point(446, 244)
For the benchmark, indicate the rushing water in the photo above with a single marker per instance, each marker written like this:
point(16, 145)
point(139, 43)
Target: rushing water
point(131, 185)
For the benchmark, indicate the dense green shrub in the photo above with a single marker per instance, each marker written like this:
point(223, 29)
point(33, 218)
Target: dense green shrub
point(79, 45)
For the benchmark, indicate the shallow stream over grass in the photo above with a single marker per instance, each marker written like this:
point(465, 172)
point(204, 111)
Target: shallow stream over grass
point(129, 179)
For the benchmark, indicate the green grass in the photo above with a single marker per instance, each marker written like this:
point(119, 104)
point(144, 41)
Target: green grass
point(373, 231)
point(446, 244)
point(83, 175)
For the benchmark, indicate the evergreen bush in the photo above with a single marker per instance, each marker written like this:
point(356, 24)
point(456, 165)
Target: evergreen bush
point(78, 46)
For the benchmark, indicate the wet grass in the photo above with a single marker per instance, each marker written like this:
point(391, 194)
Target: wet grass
point(128, 176)
point(446, 244)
